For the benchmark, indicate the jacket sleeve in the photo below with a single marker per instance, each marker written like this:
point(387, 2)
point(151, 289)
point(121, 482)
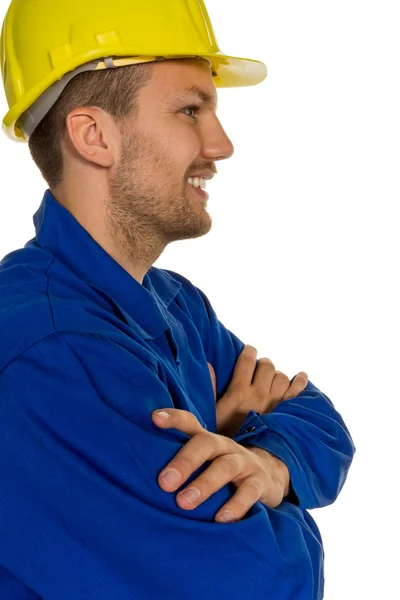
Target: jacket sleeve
point(306, 432)
point(81, 512)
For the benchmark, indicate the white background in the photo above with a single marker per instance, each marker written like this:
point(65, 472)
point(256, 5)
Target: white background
point(302, 259)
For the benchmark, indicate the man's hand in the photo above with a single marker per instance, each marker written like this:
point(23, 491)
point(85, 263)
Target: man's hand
point(257, 477)
point(259, 390)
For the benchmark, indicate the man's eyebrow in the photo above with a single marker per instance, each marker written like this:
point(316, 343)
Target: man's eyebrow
point(205, 97)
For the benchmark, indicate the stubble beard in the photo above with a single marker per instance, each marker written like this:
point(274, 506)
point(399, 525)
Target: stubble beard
point(143, 219)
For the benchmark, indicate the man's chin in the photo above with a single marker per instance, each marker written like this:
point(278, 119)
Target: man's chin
point(196, 229)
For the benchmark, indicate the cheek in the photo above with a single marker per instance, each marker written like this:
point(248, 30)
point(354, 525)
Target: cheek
point(169, 150)
point(179, 158)
point(184, 142)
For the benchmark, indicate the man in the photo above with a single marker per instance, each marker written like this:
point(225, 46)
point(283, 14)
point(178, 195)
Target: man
point(96, 341)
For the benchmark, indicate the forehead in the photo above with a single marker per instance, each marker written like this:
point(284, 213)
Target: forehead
point(183, 80)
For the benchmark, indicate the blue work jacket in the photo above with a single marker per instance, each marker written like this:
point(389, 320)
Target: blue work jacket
point(87, 353)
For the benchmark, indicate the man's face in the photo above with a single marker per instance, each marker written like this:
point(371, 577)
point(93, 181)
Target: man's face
point(164, 144)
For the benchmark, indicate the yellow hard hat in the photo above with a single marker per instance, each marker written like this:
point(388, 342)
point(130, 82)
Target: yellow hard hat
point(45, 44)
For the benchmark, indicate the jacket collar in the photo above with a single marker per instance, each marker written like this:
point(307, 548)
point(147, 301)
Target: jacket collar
point(143, 305)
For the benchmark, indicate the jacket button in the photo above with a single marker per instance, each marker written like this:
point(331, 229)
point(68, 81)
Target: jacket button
point(249, 430)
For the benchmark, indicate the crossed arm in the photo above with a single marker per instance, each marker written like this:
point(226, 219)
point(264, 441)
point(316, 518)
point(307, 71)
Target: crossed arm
point(306, 433)
point(80, 463)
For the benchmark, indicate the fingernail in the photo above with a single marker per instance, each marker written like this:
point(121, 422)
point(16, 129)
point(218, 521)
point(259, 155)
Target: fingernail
point(164, 415)
point(172, 477)
point(191, 495)
point(226, 516)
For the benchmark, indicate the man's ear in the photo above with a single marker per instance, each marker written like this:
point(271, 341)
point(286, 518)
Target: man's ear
point(93, 134)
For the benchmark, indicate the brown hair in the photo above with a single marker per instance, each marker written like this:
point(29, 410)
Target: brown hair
point(113, 90)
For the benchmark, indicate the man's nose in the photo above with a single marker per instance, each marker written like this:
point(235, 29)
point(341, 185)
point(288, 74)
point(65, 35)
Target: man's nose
point(216, 143)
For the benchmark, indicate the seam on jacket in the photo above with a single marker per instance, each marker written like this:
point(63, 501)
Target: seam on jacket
point(47, 292)
point(62, 333)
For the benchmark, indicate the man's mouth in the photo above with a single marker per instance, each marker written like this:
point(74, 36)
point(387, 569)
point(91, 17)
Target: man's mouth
point(198, 182)
point(198, 190)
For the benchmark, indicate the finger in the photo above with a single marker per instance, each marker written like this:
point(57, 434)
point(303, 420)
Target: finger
point(183, 420)
point(280, 385)
point(213, 380)
point(298, 384)
point(264, 375)
point(222, 471)
point(202, 447)
point(244, 368)
point(247, 494)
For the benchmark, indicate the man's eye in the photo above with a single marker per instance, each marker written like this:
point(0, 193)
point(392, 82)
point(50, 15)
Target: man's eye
point(194, 109)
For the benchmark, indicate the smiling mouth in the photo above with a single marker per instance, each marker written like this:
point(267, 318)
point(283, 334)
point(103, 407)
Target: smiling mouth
point(201, 193)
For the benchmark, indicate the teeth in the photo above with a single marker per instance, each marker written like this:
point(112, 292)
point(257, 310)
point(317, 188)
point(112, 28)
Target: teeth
point(198, 182)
